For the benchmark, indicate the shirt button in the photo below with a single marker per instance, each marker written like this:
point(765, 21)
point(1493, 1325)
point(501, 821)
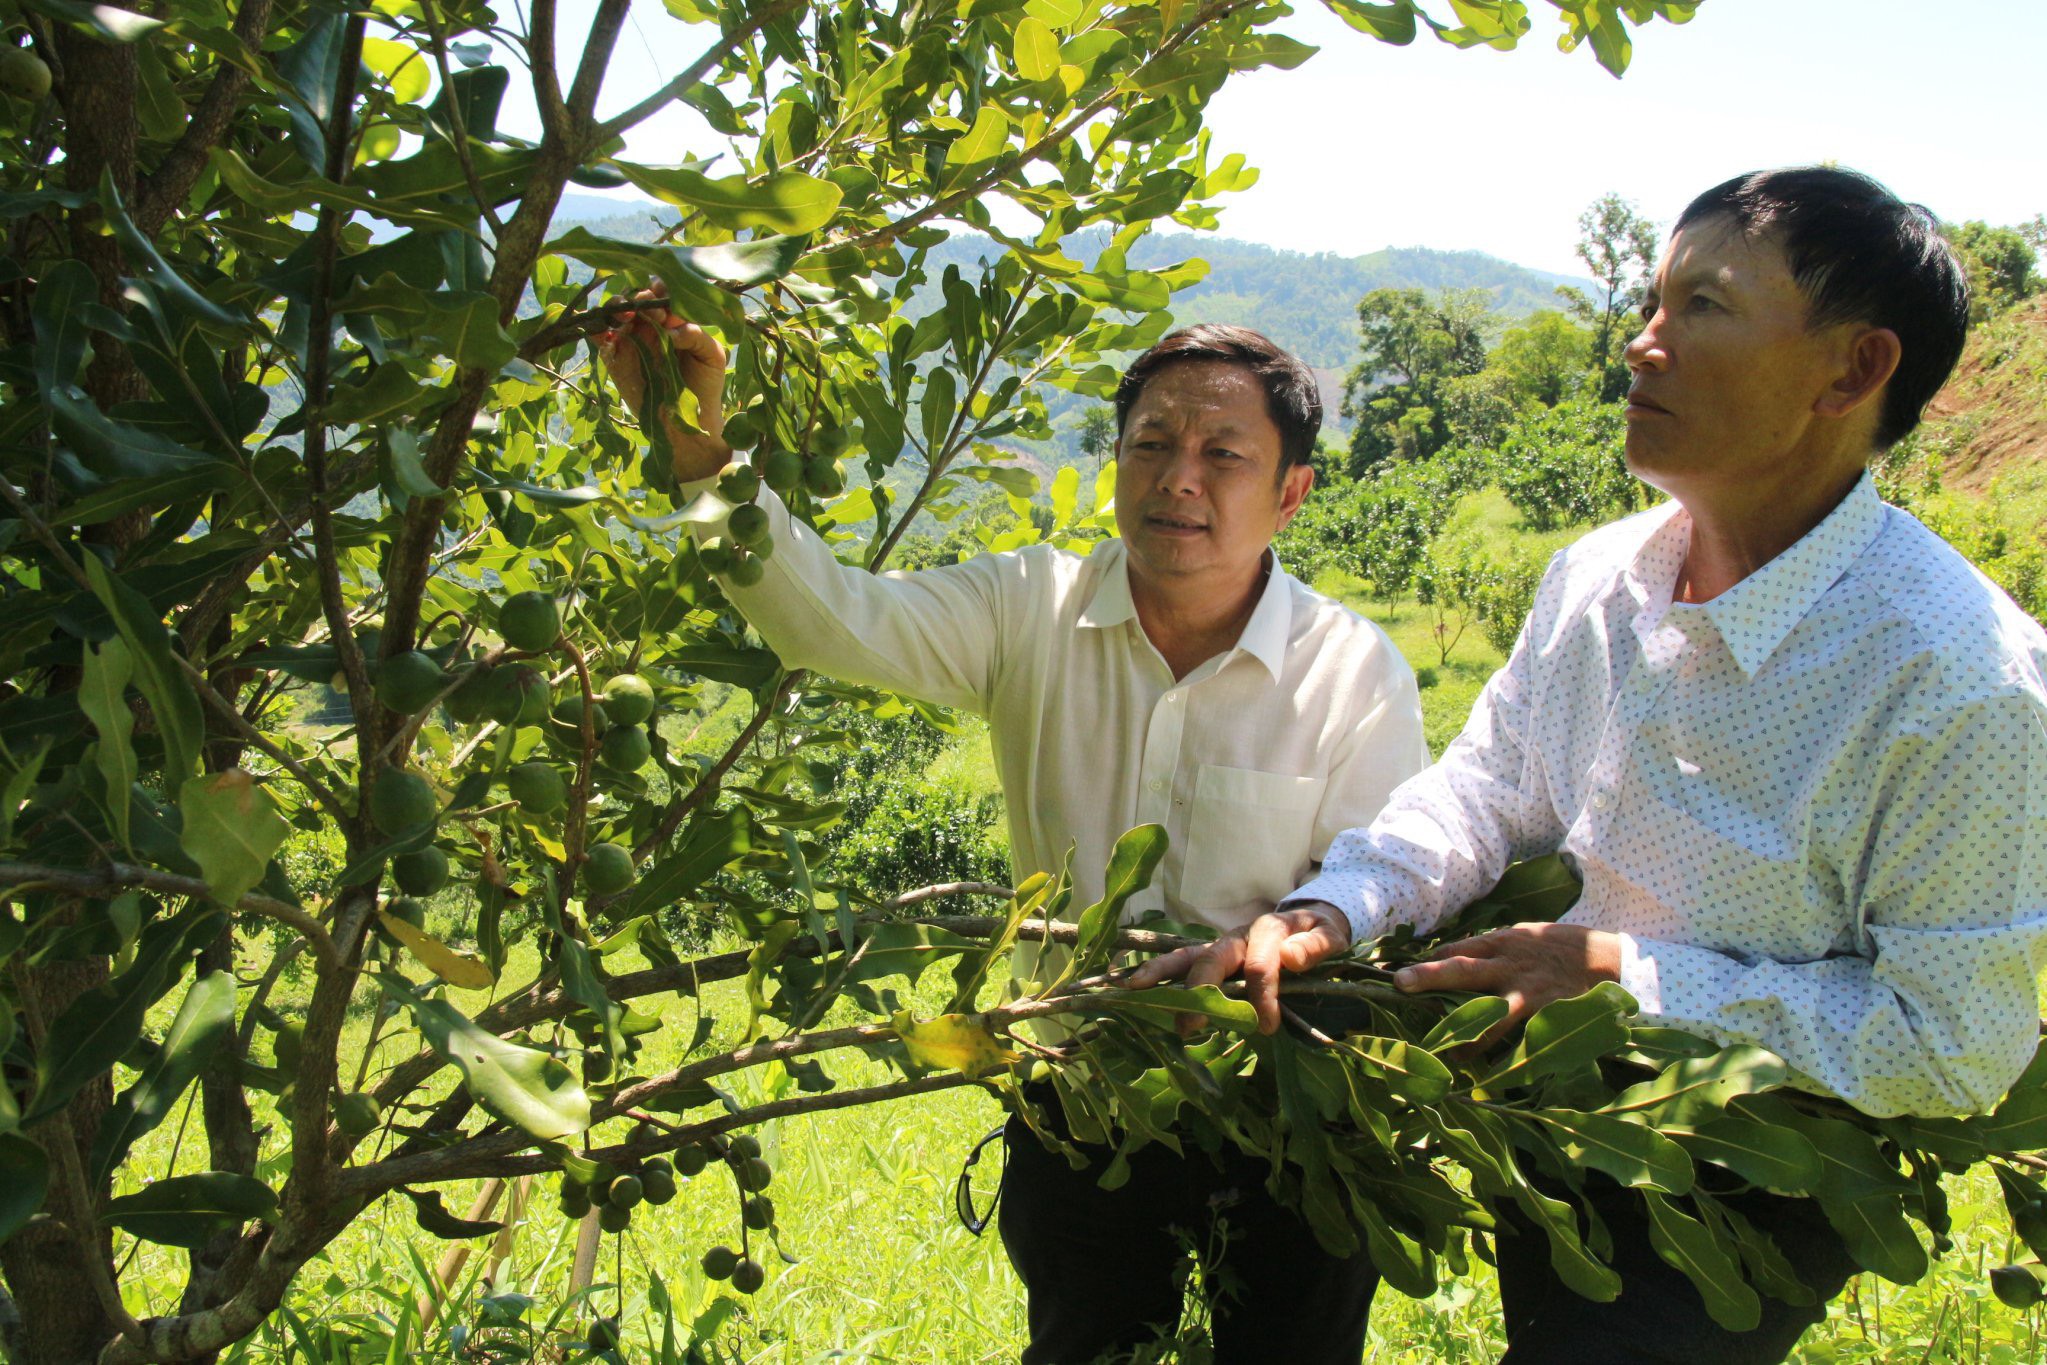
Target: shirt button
point(1599, 800)
point(1158, 784)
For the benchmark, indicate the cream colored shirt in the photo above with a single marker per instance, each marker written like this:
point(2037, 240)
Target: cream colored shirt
point(1253, 762)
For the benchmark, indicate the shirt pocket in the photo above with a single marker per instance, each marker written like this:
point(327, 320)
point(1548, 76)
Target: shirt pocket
point(1249, 836)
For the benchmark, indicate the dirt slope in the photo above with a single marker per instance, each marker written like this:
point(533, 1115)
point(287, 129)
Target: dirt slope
point(1992, 416)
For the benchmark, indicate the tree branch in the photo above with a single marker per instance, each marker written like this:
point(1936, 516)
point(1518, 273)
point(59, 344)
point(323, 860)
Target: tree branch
point(159, 193)
point(236, 721)
point(113, 878)
point(1005, 166)
point(695, 71)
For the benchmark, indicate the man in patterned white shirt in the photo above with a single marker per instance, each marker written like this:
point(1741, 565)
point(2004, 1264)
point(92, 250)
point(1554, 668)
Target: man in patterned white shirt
point(1791, 740)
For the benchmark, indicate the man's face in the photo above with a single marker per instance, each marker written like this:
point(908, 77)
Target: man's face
point(1726, 371)
point(1197, 483)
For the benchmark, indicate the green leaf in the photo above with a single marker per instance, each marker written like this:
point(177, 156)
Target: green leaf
point(231, 829)
point(1466, 1024)
point(1689, 1245)
point(202, 1025)
point(175, 705)
point(465, 325)
point(1269, 49)
point(101, 451)
point(1131, 865)
point(435, 1220)
point(157, 273)
point(102, 695)
point(782, 201)
point(1413, 1073)
point(1393, 23)
point(101, 1025)
point(739, 666)
point(981, 143)
point(939, 403)
point(739, 265)
point(1770, 1158)
point(2016, 1286)
point(708, 845)
point(581, 981)
point(1035, 49)
point(1696, 1089)
point(1574, 1265)
point(1565, 1035)
point(20, 780)
point(186, 1210)
point(24, 1175)
point(58, 313)
point(1164, 1005)
point(113, 24)
point(1635, 1156)
point(525, 1087)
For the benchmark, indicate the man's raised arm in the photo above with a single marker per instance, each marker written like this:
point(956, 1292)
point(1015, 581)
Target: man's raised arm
point(934, 635)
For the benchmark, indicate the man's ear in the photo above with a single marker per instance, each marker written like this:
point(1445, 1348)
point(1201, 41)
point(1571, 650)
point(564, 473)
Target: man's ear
point(1870, 358)
point(1293, 491)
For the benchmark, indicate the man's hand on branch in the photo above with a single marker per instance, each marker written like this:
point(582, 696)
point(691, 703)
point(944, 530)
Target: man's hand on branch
point(1528, 965)
point(1290, 940)
point(656, 335)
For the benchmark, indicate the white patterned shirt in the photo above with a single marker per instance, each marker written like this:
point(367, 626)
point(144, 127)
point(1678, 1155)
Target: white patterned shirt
point(1814, 807)
point(1253, 762)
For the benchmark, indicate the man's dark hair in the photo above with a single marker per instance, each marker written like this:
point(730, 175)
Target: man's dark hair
point(1859, 254)
point(1292, 399)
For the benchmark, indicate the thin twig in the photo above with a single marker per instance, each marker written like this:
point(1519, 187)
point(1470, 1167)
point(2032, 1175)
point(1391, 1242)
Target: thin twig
point(227, 711)
point(695, 71)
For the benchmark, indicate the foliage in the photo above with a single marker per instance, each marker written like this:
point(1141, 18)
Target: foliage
point(1544, 359)
point(1462, 581)
point(1567, 465)
point(1618, 245)
point(2001, 263)
point(1395, 1136)
point(906, 825)
point(1414, 344)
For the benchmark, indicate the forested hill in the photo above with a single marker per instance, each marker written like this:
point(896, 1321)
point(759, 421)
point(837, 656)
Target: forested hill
point(1307, 303)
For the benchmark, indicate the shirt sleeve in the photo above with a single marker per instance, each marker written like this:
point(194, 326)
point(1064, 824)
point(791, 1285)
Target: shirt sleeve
point(1448, 833)
point(1935, 1012)
point(1384, 748)
point(934, 634)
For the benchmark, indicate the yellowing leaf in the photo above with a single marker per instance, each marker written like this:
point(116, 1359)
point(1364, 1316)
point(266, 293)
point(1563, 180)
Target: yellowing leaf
point(457, 969)
point(230, 829)
point(952, 1042)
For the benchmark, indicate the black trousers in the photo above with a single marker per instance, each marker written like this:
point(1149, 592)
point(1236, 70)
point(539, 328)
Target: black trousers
point(1659, 1316)
point(1099, 1266)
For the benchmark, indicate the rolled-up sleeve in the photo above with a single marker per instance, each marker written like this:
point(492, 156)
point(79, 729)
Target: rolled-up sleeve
point(1936, 1012)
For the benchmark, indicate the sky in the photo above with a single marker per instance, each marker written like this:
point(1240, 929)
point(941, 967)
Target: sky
point(1368, 146)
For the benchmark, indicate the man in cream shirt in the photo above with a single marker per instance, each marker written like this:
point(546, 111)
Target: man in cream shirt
point(1176, 675)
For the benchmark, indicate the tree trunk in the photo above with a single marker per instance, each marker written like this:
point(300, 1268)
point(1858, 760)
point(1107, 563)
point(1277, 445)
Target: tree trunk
point(62, 1321)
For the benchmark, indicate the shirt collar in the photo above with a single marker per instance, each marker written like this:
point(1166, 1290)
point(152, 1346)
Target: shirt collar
point(1755, 615)
point(1264, 636)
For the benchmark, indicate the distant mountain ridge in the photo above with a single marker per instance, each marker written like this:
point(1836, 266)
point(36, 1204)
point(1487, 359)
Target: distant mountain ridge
point(1305, 302)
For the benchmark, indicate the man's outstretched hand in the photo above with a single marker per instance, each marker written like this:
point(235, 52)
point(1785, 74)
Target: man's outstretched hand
point(1291, 940)
point(701, 360)
point(1527, 965)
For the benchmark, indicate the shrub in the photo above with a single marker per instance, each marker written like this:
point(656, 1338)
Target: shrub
point(1566, 466)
